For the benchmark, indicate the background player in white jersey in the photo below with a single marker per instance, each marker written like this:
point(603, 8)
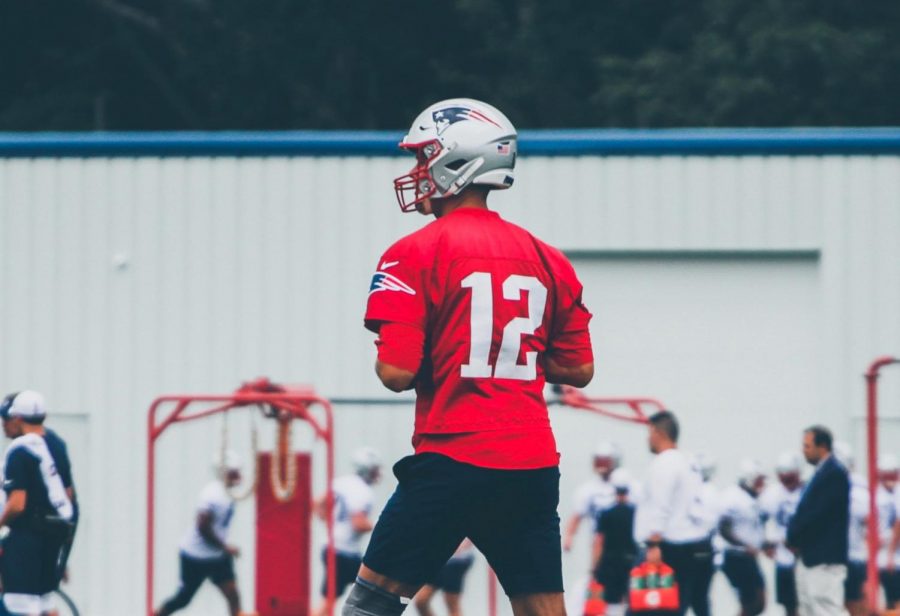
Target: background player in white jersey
point(710, 513)
point(596, 494)
point(779, 502)
point(741, 527)
point(205, 551)
point(854, 598)
point(886, 501)
point(450, 580)
point(353, 500)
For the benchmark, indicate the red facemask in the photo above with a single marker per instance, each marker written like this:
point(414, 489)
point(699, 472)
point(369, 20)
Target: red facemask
point(417, 185)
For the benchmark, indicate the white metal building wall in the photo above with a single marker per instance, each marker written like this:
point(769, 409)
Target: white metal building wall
point(124, 278)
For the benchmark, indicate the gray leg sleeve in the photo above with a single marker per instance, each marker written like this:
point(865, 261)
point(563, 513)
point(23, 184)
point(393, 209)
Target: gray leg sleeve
point(366, 599)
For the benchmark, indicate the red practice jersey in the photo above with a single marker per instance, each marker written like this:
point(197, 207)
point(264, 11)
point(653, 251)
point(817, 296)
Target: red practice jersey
point(480, 301)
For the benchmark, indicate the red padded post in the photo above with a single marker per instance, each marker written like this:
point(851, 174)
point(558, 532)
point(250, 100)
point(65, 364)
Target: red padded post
point(283, 544)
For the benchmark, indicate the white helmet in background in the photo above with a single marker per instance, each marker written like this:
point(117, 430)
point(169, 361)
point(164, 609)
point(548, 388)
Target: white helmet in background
point(457, 142)
point(608, 449)
point(367, 464)
point(751, 472)
point(620, 480)
point(788, 463)
point(226, 461)
point(844, 453)
point(888, 463)
point(705, 464)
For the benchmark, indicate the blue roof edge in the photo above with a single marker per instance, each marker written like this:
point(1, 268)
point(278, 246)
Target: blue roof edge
point(568, 142)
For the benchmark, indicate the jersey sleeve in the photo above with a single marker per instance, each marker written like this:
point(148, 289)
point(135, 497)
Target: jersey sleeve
point(356, 499)
point(570, 342)
point(581, 504)
point(397, 290)
point(18, 470)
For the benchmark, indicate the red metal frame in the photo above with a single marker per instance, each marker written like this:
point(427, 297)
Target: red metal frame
point(291, 400)
point(872, 375)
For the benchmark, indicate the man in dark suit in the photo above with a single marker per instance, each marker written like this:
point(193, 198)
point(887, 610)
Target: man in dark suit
point(818, 530)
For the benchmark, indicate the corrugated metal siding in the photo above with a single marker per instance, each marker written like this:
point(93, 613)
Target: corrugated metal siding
point(129, 277)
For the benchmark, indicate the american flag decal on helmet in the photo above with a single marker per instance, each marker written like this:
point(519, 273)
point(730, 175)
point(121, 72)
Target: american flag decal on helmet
point(443, 118)
point(503, 148)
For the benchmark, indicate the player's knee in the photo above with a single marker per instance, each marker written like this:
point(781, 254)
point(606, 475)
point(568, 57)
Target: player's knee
point(366, 599)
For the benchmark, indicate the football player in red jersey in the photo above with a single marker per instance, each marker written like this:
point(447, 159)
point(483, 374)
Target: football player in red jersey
point(476, 314)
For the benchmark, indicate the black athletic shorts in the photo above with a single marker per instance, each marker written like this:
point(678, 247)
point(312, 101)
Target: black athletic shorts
point(786, 588)
point(195, 570)
point(856, 579)
point(29, 563)
point(615, 576)
point(452, 575)
point(742, 570)
point(346, 569)
point(510, 515)
point(890, 581)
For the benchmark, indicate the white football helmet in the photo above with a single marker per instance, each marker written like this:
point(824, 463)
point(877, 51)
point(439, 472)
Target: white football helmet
point(226, 461)
point(751, 471)
point(788, 462)
point(457, 143)
point(844, 454)
point(608, 450)
point(888, 463)
point(367, 464)
point(706, 464)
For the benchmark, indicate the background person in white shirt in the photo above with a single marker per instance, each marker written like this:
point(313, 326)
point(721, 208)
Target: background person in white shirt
point(595, 495)
point(670, 517)
point(854, 592)
point(710, 506)
point(779, 502)
point(886, 501)
point(741, 527)
point(353, 498)
point(205, 552)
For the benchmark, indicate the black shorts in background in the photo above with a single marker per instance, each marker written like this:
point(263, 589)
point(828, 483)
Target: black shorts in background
point(742, 570)
point(510, 515)
point(346, 569)
point(615, 576)
point(890, 581)
point(451, 577)
point(29, 564)
point(786, 588)
point(856, 579)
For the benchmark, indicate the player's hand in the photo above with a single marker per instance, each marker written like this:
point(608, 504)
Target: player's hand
point(654, 555)
point(769, 551)
point(233, 551)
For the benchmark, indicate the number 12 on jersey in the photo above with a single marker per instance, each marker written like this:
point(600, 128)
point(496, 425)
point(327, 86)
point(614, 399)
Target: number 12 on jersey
point(482, 327)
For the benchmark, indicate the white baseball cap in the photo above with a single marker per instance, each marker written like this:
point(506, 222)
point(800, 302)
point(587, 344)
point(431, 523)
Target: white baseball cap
point(25, 404)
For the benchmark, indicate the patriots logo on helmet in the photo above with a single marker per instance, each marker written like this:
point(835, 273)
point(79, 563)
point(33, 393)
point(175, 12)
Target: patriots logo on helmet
point(444, 118)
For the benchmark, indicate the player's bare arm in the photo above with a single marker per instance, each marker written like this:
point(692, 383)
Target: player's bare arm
point(361, 523)
point(205, 528)
point(15, 505)
point(597, 551)
point(571, 531)
point(394, 378)
point(576, 376)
